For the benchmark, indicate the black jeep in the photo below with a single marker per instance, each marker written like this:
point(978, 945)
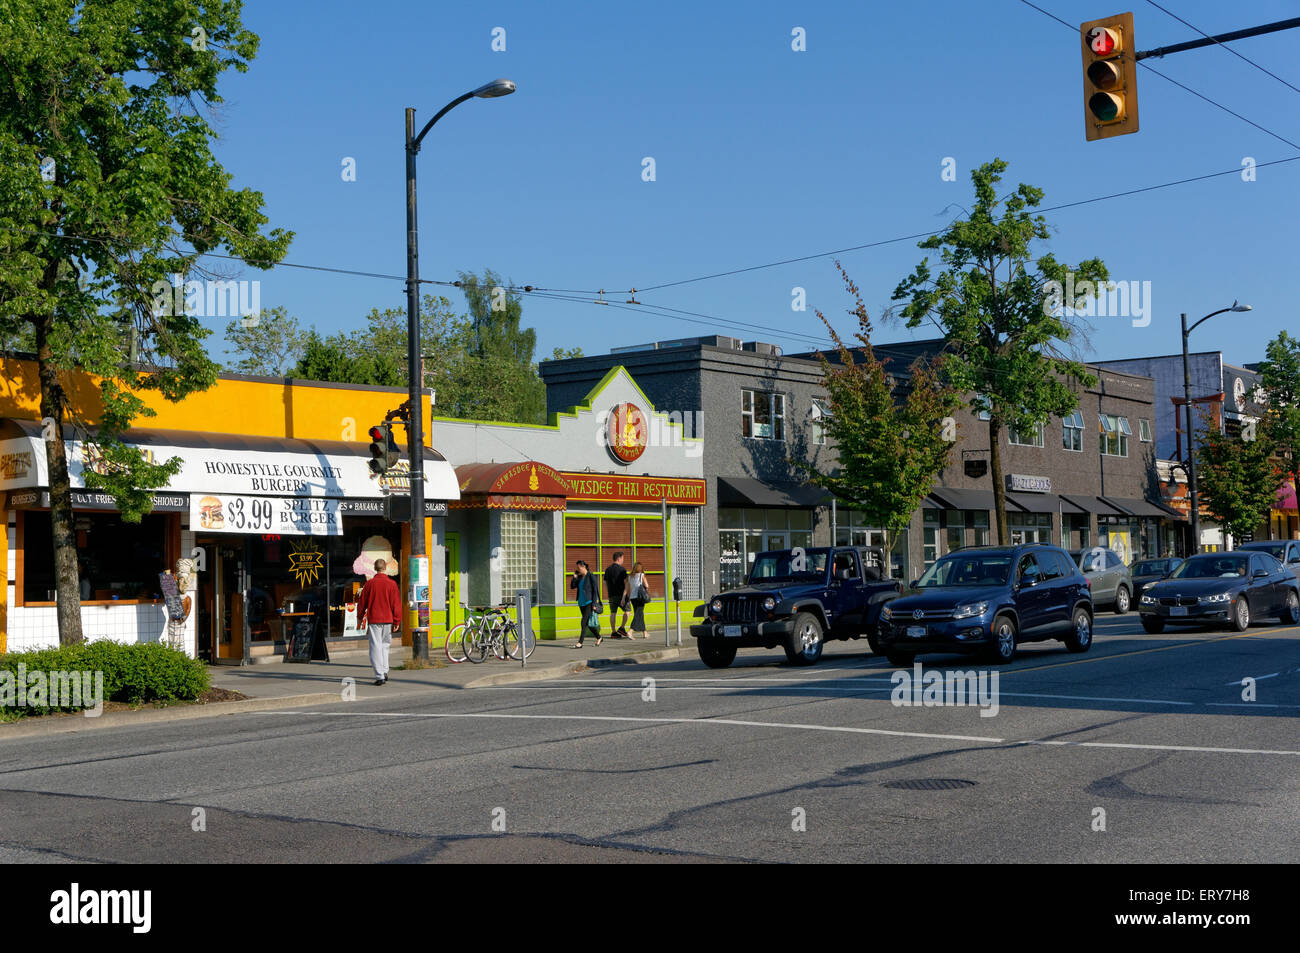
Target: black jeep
point(797, 598)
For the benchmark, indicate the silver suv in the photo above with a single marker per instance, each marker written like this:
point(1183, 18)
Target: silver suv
point(1110, 579)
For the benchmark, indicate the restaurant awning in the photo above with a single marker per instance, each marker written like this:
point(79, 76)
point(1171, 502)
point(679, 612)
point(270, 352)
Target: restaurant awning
point(221, 463)
point(745, 491)
point(520, 485)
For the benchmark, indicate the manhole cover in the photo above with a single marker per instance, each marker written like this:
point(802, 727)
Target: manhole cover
point(929, 784)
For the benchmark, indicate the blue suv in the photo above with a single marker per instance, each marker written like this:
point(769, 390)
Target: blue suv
point(985, 600)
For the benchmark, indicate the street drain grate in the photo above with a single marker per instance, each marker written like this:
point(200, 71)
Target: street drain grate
point(930, 784)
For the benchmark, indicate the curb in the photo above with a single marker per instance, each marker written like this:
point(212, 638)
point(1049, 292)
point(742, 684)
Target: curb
point(72, 723)
point(573, 668)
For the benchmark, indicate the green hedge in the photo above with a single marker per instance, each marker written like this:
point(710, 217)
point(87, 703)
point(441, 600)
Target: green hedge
point(132, 673)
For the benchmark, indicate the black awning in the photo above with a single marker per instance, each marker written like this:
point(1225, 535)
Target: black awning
point(953, 499)
point(746, 491)
point(1133, 507)
point(1093, 504)
point(1035, 502)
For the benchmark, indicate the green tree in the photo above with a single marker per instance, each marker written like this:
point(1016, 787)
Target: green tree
point(499, 363)
point(891, 438)
point(108, 187)
point(1280, 382)
point(1004, 314)
point(267, 343)
point(1237, 476)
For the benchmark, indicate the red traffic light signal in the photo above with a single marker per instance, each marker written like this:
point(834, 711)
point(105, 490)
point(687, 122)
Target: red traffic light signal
point(1109, 77)
point(384, 453)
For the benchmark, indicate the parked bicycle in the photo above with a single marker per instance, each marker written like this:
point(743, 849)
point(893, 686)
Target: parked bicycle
point(486, 629)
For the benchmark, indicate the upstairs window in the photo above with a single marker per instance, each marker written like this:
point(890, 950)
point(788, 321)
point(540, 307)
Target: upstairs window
point(821, 411)
point(1032, 438)
point(762, 415)
point(1072, 432)
point(1113, 432)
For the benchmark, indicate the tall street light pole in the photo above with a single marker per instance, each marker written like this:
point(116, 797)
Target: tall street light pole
point(1191, 434)
point(415, 426)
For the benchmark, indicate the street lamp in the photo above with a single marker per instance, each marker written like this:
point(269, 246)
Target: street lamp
point(415, 427)
point(1187, 404)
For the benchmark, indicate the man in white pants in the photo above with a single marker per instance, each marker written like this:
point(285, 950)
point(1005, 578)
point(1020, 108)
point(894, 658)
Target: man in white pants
point(379, 607)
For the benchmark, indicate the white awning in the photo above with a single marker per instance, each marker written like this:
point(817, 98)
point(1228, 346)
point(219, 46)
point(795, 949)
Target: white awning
point(231, 463)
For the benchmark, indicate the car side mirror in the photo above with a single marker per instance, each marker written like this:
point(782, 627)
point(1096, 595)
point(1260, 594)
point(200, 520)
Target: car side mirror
point(1261, 574)
point(914, 584)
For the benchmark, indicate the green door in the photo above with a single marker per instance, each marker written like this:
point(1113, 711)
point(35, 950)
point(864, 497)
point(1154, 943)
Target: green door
point(455, 611)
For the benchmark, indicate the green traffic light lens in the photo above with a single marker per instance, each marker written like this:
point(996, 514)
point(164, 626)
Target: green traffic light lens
point(1105, 106)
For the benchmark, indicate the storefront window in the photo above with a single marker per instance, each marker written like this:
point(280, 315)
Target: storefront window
point(595, 539)
point(743, 534)
point(118, 560)
point(519, 542)
point(1029, 527)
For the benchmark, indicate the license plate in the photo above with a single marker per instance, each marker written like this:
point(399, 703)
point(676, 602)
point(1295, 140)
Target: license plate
point(1178, 610)
point(731, 631)
point(916, 631)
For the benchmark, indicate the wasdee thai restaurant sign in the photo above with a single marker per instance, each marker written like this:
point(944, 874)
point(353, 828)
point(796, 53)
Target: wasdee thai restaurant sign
point(617, 488)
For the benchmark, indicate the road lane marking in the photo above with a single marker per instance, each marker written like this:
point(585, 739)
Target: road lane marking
point(1107, 658)
point(834, 729)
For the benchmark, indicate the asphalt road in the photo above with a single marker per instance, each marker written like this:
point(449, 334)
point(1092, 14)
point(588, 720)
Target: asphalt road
point(1148, 736)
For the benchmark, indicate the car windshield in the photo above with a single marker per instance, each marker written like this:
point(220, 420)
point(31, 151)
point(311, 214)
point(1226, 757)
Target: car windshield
point(789, 566)
point(1151, 567)
point(968, 569)
point(1211, 566)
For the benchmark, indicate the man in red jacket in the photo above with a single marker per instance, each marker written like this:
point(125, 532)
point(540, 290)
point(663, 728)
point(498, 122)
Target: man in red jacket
point(379, 607)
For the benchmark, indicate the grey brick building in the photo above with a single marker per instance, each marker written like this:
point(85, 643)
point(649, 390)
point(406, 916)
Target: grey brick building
point(1078, 482)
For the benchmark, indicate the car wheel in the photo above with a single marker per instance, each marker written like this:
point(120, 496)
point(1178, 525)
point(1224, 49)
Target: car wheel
point(874, 641)
point(715, 653)
point(900, 659)
point(1153, 624)
point(1291, 611)
point(804, 645)
point(1080, 637)
point(1241, 615)
point(1122, 601)
point(1003, 647)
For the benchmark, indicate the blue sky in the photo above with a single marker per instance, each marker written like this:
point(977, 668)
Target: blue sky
point(761, 153)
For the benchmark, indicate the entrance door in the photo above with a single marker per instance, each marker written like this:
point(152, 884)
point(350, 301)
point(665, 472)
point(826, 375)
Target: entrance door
point(455, 614)
point(221, 601)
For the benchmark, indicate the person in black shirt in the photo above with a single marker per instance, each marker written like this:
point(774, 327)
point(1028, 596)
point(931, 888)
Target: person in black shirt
point(616, 587)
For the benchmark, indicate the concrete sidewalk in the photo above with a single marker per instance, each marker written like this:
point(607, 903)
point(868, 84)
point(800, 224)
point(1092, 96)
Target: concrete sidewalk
point(551, 659)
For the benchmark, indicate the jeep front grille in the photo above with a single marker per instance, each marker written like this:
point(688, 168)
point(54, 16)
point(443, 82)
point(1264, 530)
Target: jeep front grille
point(740, 609)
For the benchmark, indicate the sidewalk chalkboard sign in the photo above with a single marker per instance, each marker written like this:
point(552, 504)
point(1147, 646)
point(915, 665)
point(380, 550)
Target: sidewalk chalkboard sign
point(306, 643)
point(172, 596)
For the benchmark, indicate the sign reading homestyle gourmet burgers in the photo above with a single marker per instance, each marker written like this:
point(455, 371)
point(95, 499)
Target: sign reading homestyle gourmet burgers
point(292, 516)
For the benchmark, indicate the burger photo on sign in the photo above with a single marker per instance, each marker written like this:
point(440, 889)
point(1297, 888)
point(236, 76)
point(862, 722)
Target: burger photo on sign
point(210, 516)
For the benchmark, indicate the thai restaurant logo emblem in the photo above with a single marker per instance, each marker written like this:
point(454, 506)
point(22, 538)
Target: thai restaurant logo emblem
point(627, 432)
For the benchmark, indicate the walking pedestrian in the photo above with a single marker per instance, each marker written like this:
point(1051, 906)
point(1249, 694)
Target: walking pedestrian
point(379, 608)
point(589, 607)
point(616, 590)
point(638, 595)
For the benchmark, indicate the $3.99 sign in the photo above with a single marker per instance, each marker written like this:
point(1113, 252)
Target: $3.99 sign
point(299, 516)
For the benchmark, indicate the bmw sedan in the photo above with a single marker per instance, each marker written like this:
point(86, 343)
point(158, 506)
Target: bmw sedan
point(1228, 589)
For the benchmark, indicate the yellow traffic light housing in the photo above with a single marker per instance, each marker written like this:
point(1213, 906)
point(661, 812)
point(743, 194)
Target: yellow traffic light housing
point(1110, 106)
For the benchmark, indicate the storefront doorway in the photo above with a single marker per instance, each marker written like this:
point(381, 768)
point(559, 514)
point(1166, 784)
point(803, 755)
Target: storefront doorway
point(221, 601)
point(455, 614)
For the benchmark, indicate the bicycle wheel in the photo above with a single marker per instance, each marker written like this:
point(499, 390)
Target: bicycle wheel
point(498, 639)
point(473, 646)
point(512, 642)
point(453, 647)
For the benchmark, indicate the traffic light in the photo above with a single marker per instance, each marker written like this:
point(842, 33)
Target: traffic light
point(1110, 105)
point(383, 448)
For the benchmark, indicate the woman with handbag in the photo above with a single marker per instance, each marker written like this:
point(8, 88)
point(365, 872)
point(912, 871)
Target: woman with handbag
point(639, 595)
point(589, 607)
